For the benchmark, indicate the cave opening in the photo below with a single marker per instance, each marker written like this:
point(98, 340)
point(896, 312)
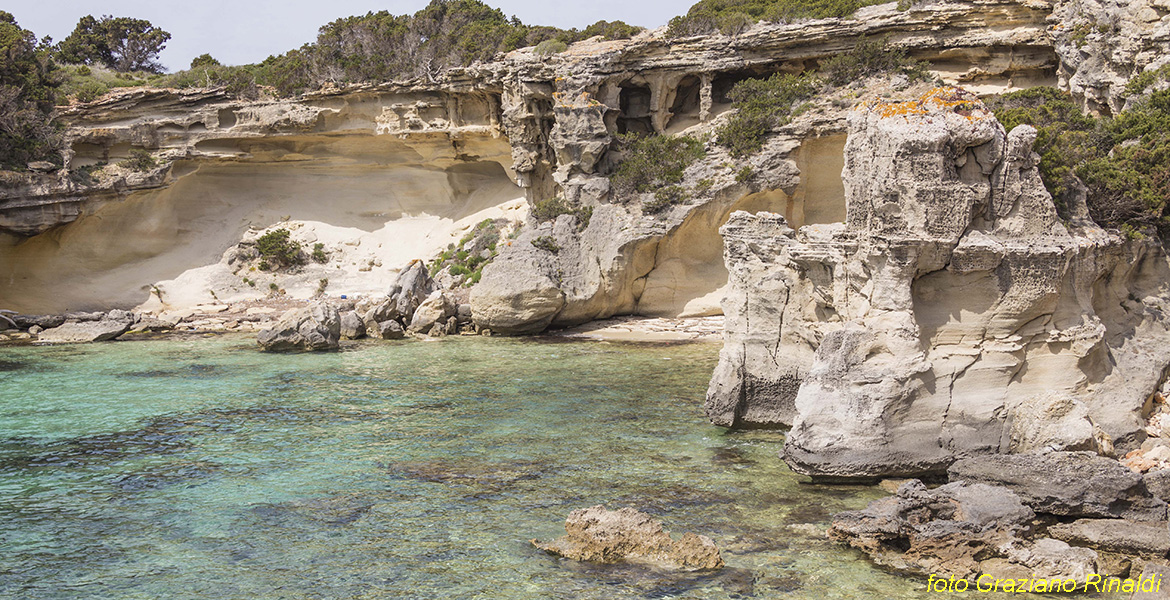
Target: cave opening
point(685, 108)
point(634, 102)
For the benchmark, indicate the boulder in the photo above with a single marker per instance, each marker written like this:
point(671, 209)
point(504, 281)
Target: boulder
point(437, 308)
point(947, 531)
point(1146, 539)
point(385, 330)
point(314, 327)
point(43, 321)
point(386, 310)
point(598, 535)
point(152, 324)
point(1047, 558)
point(352, 325)
point(516, 295)
point(1075, 484)
point(74, 332)
point(1055, 421)
point(411, 288)
point(1158, 482)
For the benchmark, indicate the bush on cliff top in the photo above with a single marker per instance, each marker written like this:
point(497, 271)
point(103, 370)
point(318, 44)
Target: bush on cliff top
point(732, 16)
point(27, 95)
point(1124, 162)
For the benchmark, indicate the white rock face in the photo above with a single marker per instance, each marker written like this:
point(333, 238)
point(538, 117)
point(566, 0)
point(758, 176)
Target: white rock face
point(315, 327)
point(909, 336)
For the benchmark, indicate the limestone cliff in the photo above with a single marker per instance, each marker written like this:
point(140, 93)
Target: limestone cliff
point(910, 334)
point(386, 173)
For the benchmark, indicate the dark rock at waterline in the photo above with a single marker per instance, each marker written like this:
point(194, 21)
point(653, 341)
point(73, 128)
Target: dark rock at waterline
point(596, 534)
point(315, 327)
point(949, 530)
point(42, 321)
point(1075, 484)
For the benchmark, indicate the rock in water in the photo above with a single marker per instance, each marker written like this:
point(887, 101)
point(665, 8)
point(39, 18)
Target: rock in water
point(1075, 484)
point(385, 330)
point(73, 332)
point(352, 326)
point(315, 327)
point(435, 309)
point(599, 535)
point(411, 289)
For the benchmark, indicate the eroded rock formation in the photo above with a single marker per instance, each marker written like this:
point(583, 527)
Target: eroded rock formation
point(600, 535)
point(952, 295)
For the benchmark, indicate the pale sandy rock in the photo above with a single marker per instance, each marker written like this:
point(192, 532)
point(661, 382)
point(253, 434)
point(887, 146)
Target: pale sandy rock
point(435, 310)
point(1048, 558)
point(1146, 539)
point(599, 535)
point(74, 332)
point(385, 330)
point(352, 326)
point(1052, 421)
point(314, 327)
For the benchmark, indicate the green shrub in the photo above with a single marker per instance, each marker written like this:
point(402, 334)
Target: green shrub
point(704, 185)
point(1142, 81)
point(1124, 162)
point(550, 47)
point(546, 243)
point(709, 16)
point(140, 160)
point(551, 208)
point(467, 259)
point(28, 93)
point(90, 91)
point(649, 162)
point(744, 175)
point(868, 58)
point(664, 198)
point(319, 253)
point(761, 106)
point(276, 247)
point(611, 30)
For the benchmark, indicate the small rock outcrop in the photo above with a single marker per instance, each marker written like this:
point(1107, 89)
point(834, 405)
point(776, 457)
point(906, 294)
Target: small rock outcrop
point(1075, 484)
point(77, 332)
point(598, 535)
point(314, 327)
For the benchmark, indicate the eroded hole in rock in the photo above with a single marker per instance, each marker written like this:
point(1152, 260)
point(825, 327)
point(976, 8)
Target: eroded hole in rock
point(634, 101)
point(685, 108)
point(227, 118)
point(86, 154)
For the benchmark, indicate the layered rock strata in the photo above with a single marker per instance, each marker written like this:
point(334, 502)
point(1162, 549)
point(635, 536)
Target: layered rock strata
point(953, 295)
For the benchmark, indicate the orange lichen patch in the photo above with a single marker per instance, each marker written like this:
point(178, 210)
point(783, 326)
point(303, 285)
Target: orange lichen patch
point(939, 99)
point(582, 100)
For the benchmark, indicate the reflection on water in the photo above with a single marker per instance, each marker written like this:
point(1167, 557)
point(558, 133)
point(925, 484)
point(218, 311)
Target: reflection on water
point(204, 469)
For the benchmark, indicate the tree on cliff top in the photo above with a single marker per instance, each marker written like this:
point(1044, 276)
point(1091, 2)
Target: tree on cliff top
point(121, 43)
point(26, 96)
point(733, 16)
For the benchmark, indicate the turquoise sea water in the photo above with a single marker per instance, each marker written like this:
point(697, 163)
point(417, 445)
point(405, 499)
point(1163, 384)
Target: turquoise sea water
point(204, 468)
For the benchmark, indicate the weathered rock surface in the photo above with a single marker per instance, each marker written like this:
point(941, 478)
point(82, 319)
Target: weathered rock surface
point(413, 286)
point(908, 337)
point(1145, 539)
point(385, 330)
point(1076, 484)
point(435, 309)
point(599, 535)
point(352, 325)
point(1051, 421)
point(315, 327)
point(947, 531)
point(73, 332)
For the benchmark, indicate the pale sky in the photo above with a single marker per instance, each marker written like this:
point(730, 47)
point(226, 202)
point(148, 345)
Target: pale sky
point(248, 31)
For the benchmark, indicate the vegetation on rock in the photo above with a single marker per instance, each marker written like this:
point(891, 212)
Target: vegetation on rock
point(1123, 162)
point(551, 208)
point(140, 160)
point(733, 16)
point(467, 259)
point(650, 162)
point(277, 250)
point(27, 92)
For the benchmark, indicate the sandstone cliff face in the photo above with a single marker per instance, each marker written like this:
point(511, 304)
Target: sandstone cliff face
point(387, 173)
point(953, 292)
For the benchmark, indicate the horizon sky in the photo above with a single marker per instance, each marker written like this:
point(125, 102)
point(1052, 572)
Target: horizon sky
point(249, 31)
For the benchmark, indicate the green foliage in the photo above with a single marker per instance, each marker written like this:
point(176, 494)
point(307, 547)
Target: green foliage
point(467, 259)
point(744, 175)
point(1124, 162)
point(140, 160)
point(762, 105)
point(728, 16)
point(322, 284)
point(120, 43)
point(547, 243)
point(868, 58)
point(27, 97)
point(551, 208)
point(704, 185)
point(1142, 81)
point(204, 60)
point(318, 254)
point(550, 47)
point(276, 247)
point(649, 162)
point(611, 30)
point(664, 198)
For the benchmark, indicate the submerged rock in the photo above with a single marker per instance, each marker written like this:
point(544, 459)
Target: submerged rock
point(315, 327)
point(599, 535)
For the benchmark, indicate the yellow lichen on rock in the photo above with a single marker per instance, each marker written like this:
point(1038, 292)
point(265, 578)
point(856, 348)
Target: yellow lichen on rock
point(935, 100)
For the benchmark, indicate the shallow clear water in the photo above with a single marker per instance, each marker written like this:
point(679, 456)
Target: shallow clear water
point(206, 469)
